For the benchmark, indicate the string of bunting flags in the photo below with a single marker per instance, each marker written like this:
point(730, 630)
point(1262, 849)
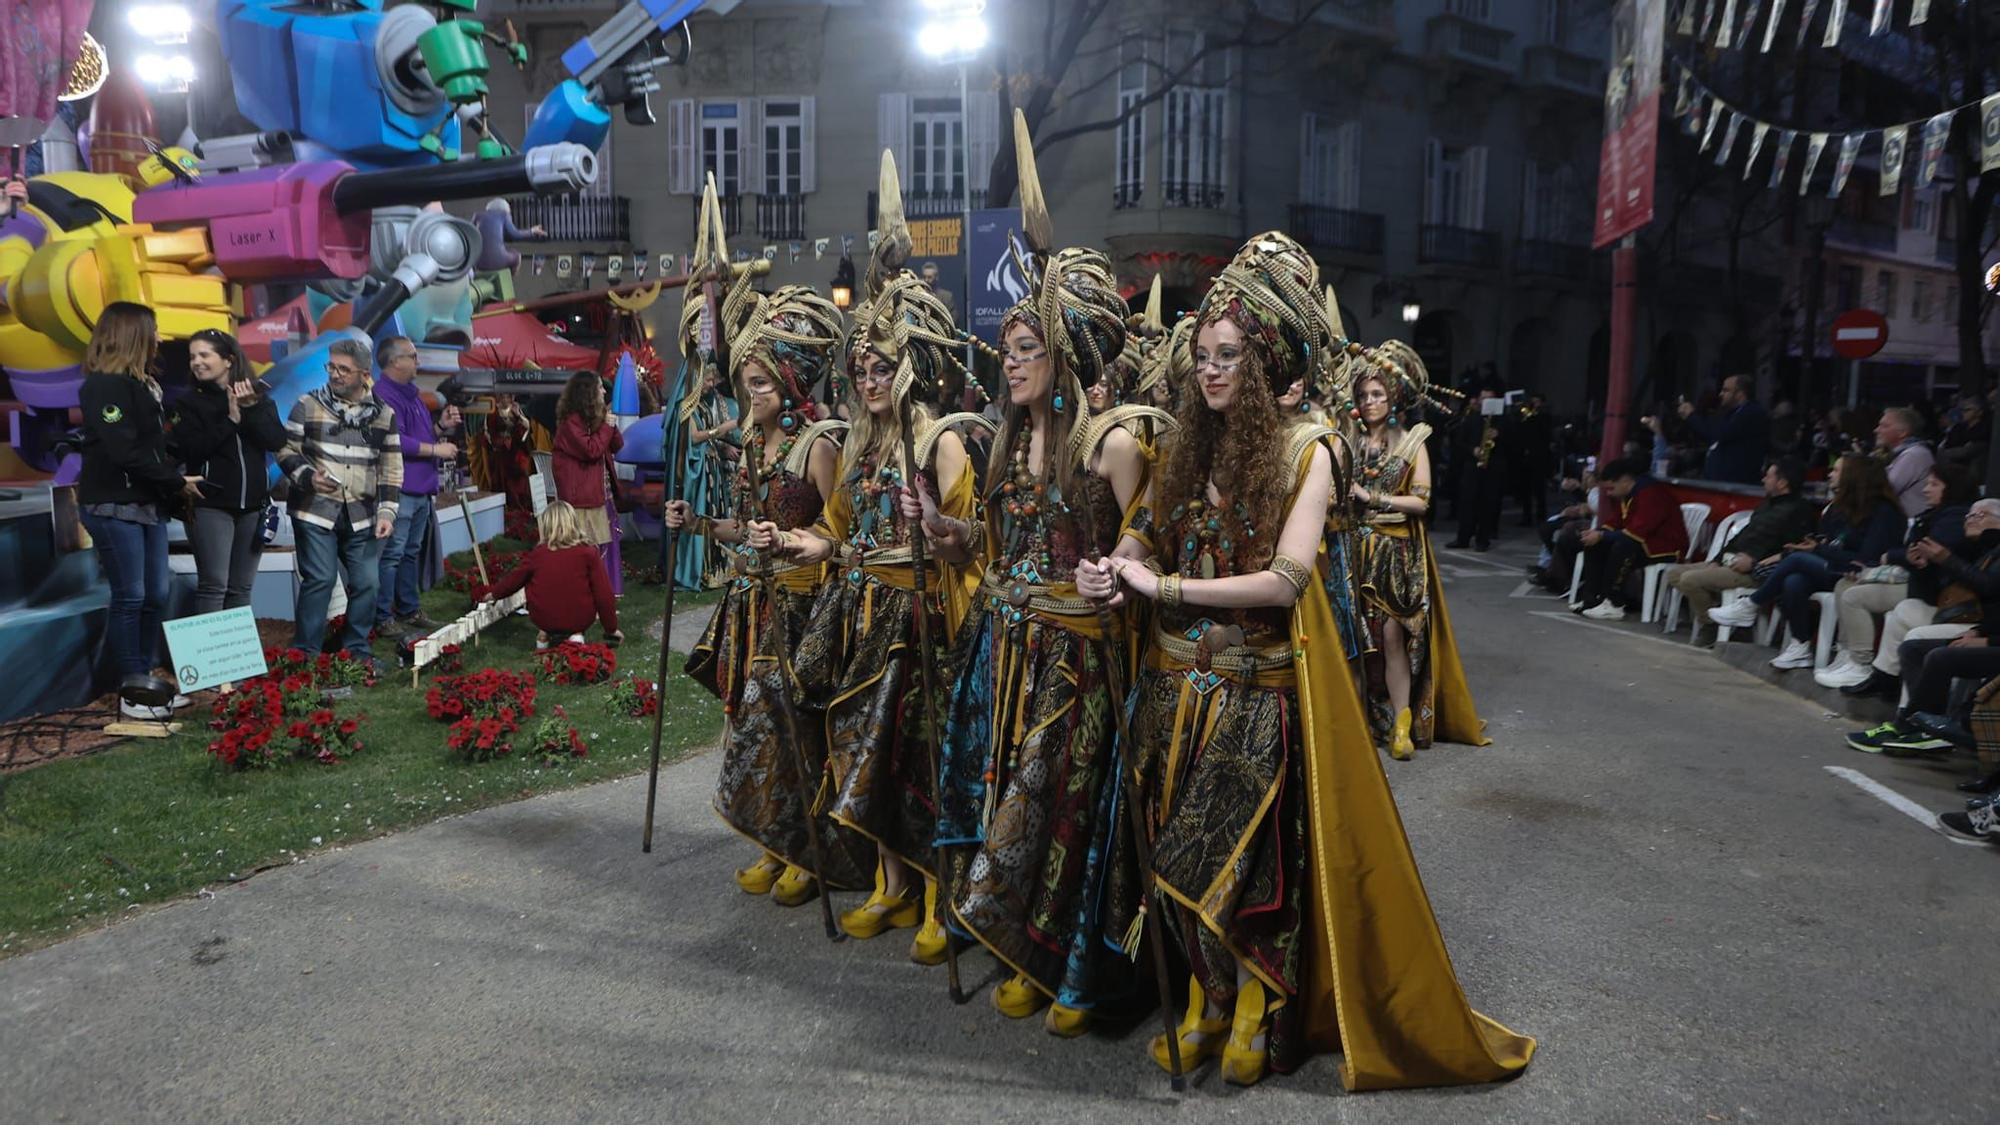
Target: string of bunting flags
point(1703, 113)
point(640, 262)
point(1730, 23)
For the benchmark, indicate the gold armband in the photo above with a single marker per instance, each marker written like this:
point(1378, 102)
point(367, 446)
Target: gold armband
point(1421, 492)
point(1170, 590)
point(1292, 571)
point(704, 527)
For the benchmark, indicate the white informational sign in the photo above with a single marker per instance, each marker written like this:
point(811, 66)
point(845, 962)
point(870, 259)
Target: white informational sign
point(538, 493)
point(215, 648)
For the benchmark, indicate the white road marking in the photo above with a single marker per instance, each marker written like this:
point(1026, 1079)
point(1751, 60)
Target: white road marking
point(1656, 638)
point(1897, 801)
point(1530, 590)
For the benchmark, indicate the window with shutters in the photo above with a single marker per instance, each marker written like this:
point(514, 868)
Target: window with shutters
point(1552, 207)
point(937, 148)
point(722, 145)
point(1885, 293)
point(784, 148)
point(1131, 142)
point(1196, 126)
point(1330, 163)
point(1920, 302)
point(1455, 186)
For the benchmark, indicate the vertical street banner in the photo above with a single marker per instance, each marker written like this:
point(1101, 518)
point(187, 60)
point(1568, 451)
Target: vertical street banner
point(1631, 145)
point(1989, 134)
point(1805, 20)
point(1936, 131)
point(1850, 147)
point(1879, 20)
point(1895, 140)
point(937, 255)
point(1783, 159)
point(1714, 119)
point(1836, 14)
point(1757, 136)
point(1920, 12)
point(1771, 28)
point(1815, 145)
point(996, 283)
point(1728, 24)
point(1729, 138)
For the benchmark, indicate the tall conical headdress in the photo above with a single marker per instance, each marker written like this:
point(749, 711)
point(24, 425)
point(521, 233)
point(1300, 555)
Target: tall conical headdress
point(902, 318)
point(1271, 291)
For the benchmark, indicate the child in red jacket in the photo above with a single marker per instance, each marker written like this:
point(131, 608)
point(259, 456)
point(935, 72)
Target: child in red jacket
point(565, 579)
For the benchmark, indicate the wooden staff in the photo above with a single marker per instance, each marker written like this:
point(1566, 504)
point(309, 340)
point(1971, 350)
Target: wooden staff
point(676, 444)
point(928, 679)
point(787, 711)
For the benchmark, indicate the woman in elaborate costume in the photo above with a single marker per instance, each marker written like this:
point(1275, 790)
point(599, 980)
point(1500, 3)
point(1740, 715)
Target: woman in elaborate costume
point(779, 346)
point(1416, 685)
point(859, 657)
point(713, 452)
point(1296, 899)
point(1029, 746)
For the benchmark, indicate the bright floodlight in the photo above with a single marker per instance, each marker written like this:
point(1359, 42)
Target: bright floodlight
point(973, 7)
point(161, 23)
point(1411, 312)
point(954, 36)
point(165, 71)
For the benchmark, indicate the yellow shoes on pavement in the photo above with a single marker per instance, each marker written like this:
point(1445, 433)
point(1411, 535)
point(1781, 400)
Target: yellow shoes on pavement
point(1243, 1057)
point(795, 887)
point(1401, 748)
point(927, 948)
point(882, 912)
point(1201, 1039)
point(1065, 1022)
point(757, 878)
point(1017, 999)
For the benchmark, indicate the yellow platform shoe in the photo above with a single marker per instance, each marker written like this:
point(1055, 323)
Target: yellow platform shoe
point(1400, 746)
point(795, 887)
point(757, 878)
point(927, 948)
point(881, 913)
point(1065, 1022)
point(1243, 1057)
point(1017, 999)
point(1201, 1039)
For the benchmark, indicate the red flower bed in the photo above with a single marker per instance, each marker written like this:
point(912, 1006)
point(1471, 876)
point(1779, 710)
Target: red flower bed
point(464, 579)
point(634, 697)
point(485, 710)
point(450, 661)
point(570, 663)
point(284, 714)
point(556, 741)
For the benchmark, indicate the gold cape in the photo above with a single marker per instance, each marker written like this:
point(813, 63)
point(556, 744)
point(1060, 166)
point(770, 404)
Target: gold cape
point(1457, 718)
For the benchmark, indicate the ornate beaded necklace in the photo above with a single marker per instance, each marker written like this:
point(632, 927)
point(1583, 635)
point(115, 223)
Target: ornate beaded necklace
point(873, 494)
point(1028, 506)
point(1208, 543)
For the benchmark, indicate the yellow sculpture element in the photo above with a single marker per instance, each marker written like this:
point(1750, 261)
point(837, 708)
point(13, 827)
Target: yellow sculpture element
point(639, 301)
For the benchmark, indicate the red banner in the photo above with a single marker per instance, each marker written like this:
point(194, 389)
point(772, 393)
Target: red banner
point(1631, 121)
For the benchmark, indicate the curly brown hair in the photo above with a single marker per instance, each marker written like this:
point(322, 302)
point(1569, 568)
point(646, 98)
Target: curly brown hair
point(1250, 439)
point(576, 399)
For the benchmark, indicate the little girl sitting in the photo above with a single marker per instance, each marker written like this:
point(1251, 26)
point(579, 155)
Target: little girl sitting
point(565, 579)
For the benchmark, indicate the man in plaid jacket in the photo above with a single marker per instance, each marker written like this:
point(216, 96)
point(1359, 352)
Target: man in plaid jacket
point(345, 462)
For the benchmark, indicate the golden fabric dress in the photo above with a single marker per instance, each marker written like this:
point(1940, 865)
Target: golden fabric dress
point(759, 792)
point(857, 660)
point(1398, 581)
point(1030, 751)
point(1276, 836)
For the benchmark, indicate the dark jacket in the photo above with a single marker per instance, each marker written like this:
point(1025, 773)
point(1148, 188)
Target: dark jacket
point(1863, 543)
point(1980, 576)
point(1776, 522)
point(126, 459)
point(1738, 443)
point(233, 458)
point(1947, 526)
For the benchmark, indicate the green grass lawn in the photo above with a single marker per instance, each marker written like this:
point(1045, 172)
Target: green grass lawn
point(87, 840)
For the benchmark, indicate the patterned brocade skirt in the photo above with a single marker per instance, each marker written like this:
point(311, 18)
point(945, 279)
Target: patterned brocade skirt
point(1029, 764)
point(857, 661)
point(760, 792)
point(1395, 586)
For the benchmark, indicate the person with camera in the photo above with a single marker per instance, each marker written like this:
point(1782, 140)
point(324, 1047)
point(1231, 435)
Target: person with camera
point(397, 610)
point(225, 431)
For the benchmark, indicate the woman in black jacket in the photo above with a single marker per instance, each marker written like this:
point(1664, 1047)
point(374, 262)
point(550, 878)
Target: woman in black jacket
point(224, 431)
point(128, 481)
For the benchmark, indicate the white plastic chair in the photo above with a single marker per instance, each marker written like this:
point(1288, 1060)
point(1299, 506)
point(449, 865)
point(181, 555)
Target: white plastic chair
point(1718, 539)
point(1695, 517)
point(1576, 572)
point(1829, 620)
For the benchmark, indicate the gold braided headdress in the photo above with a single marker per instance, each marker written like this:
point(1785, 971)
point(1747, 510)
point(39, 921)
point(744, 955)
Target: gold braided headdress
point(1271, 291)
point(737, 305)
point(901, 318)
point(792, 334)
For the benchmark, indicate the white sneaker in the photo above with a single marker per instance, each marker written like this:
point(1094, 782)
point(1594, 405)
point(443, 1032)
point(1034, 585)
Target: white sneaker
point(1739, 614)
point(1796, 654)
point(1843, 672)
point(143, 713)
point(1606, 610)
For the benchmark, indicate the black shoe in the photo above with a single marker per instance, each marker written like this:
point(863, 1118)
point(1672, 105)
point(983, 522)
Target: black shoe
point(417, 621)
point(1978, 822)
point(1943, 726)
point(1878, 683)
point(1981, 786)
point(1485, 546)
point(1458, 544)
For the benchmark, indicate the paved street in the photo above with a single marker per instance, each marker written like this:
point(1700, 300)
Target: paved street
point(1654, 870)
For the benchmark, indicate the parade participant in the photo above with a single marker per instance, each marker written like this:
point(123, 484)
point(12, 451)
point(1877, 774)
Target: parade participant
point(1416, 685)
point(711, 459)
point(1029, 746)
point(780, 346)
point(1298, 903)
point(860, 655)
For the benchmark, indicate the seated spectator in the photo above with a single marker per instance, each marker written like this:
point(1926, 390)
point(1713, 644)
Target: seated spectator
point(1900, 597)
point(567, 586)
point(1966, 440)
point(1571, 518)
point(1861, 525)
point(1641, 524)
point(1967, 589)
point(1899, 440)
point(1930, 665)
point(1784, 517)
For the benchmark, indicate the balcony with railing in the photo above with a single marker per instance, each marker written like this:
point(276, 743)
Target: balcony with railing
point(1541, 257)
point(781, 217)
point(575, 218)
point(930, 204)
point(1455, 39)
point(1337, 229)
point(732, 215)
point(1548, 67)
point(1124, 197)
point(1458, 246)
point(1199, 194)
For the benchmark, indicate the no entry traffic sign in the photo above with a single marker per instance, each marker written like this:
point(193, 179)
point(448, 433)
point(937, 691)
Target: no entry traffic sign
point(1859, 333)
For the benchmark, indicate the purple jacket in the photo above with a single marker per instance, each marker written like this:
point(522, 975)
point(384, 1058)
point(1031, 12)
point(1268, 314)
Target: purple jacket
point(413, 421)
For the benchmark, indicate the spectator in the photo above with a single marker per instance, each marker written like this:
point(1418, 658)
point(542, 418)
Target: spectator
point(1532, 449)
point(127, 484)
point(1560, 531)
point(1967, 588)
point(1898, 443)
point(1901, 596)
point(585, 441)
point(1476, 448)
point(565, 579)
point(1966, 441)
point(225, 431)
point(1784, 517)
point(1861, 525)
point(345, 462)
point(397, 610)
point(1738, 433)
point(1641, 524)
point(1930, 665)
point(507, 453)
